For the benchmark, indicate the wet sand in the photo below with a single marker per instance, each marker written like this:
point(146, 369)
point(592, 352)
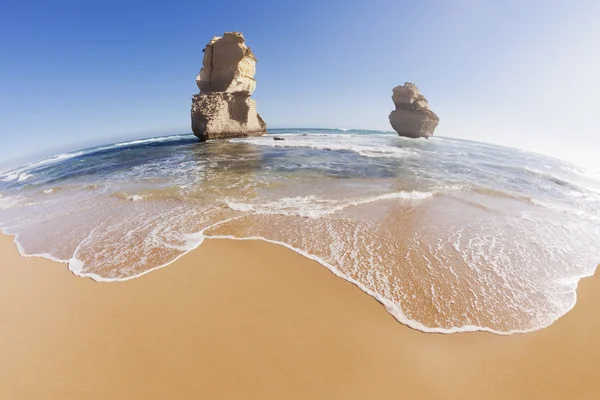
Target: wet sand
point(252, 320)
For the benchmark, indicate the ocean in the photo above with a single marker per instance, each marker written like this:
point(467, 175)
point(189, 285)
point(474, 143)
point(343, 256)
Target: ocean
point(449, 235)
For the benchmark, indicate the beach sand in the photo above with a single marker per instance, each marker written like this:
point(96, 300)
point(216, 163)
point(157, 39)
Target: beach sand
point(253, 320)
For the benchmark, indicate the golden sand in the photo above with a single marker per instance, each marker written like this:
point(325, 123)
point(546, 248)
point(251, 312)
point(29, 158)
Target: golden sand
point(252, 320)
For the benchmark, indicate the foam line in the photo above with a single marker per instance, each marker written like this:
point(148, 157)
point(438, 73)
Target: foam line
point(394, 309)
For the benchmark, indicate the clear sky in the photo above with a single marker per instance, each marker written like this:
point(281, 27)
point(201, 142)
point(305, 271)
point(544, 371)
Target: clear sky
point(522, 73)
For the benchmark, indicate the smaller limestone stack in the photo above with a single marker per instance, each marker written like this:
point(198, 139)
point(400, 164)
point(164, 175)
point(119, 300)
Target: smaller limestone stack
point(412, 116)
point(223, 109)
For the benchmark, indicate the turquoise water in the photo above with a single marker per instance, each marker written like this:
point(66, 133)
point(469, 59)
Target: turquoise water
point(449, 235)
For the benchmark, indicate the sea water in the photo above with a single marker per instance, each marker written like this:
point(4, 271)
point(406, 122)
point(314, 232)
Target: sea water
point(449, 235)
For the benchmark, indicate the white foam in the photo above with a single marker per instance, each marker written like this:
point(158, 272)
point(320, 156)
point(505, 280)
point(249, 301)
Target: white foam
point(568, 210)
point(364, 145)
point(17, 176)
point(24, 176)
point(11, 201)
point(135, 197)
point(22, 251)
point(11, 177)
point(22, 173)
point(394, 309)
point(314, 207)
point(192, 242)
point(76, 266)
point(53, 159)
point(139, 141)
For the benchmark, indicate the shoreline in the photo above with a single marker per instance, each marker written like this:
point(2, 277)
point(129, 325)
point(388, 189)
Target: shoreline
point(462, 251)
point(248, 319)
point(394, 310)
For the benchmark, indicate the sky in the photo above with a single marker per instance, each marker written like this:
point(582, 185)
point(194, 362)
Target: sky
point(524, 74)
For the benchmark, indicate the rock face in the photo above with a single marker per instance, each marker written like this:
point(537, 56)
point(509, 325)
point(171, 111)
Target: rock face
point(412, 116)
point(223, 109)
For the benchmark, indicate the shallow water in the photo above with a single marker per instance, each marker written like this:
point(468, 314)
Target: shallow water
point(449, 235)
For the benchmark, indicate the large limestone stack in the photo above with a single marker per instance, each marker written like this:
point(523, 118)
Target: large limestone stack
point(412, 116)
point(223, 109)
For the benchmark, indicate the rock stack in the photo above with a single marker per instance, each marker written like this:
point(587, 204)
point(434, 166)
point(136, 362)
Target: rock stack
point(223, 109)
point(412, 116)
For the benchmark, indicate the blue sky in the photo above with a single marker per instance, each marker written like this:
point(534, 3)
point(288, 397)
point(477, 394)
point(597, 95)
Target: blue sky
point(518, 73)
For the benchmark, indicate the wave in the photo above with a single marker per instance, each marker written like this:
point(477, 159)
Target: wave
point(568, 210)
point(195, 240)
point(17, 176)
point(8, 202)
point(328, 131)
point(552, 178)
point(366, 148)
point(52, 160)
point(394, 309)
point(498, 193)
point(76, 267)
point(135, 142)
point(314, 207)
point(167, 193)
point(23, 172)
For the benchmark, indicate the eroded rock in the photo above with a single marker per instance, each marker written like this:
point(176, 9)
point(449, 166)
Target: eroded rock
point(223, 109)
point(412, 116)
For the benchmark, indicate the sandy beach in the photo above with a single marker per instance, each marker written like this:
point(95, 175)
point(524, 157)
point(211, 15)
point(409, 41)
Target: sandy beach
point(253, 320)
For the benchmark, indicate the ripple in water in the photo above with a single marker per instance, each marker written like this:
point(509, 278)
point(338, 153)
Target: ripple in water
point(449, 235)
